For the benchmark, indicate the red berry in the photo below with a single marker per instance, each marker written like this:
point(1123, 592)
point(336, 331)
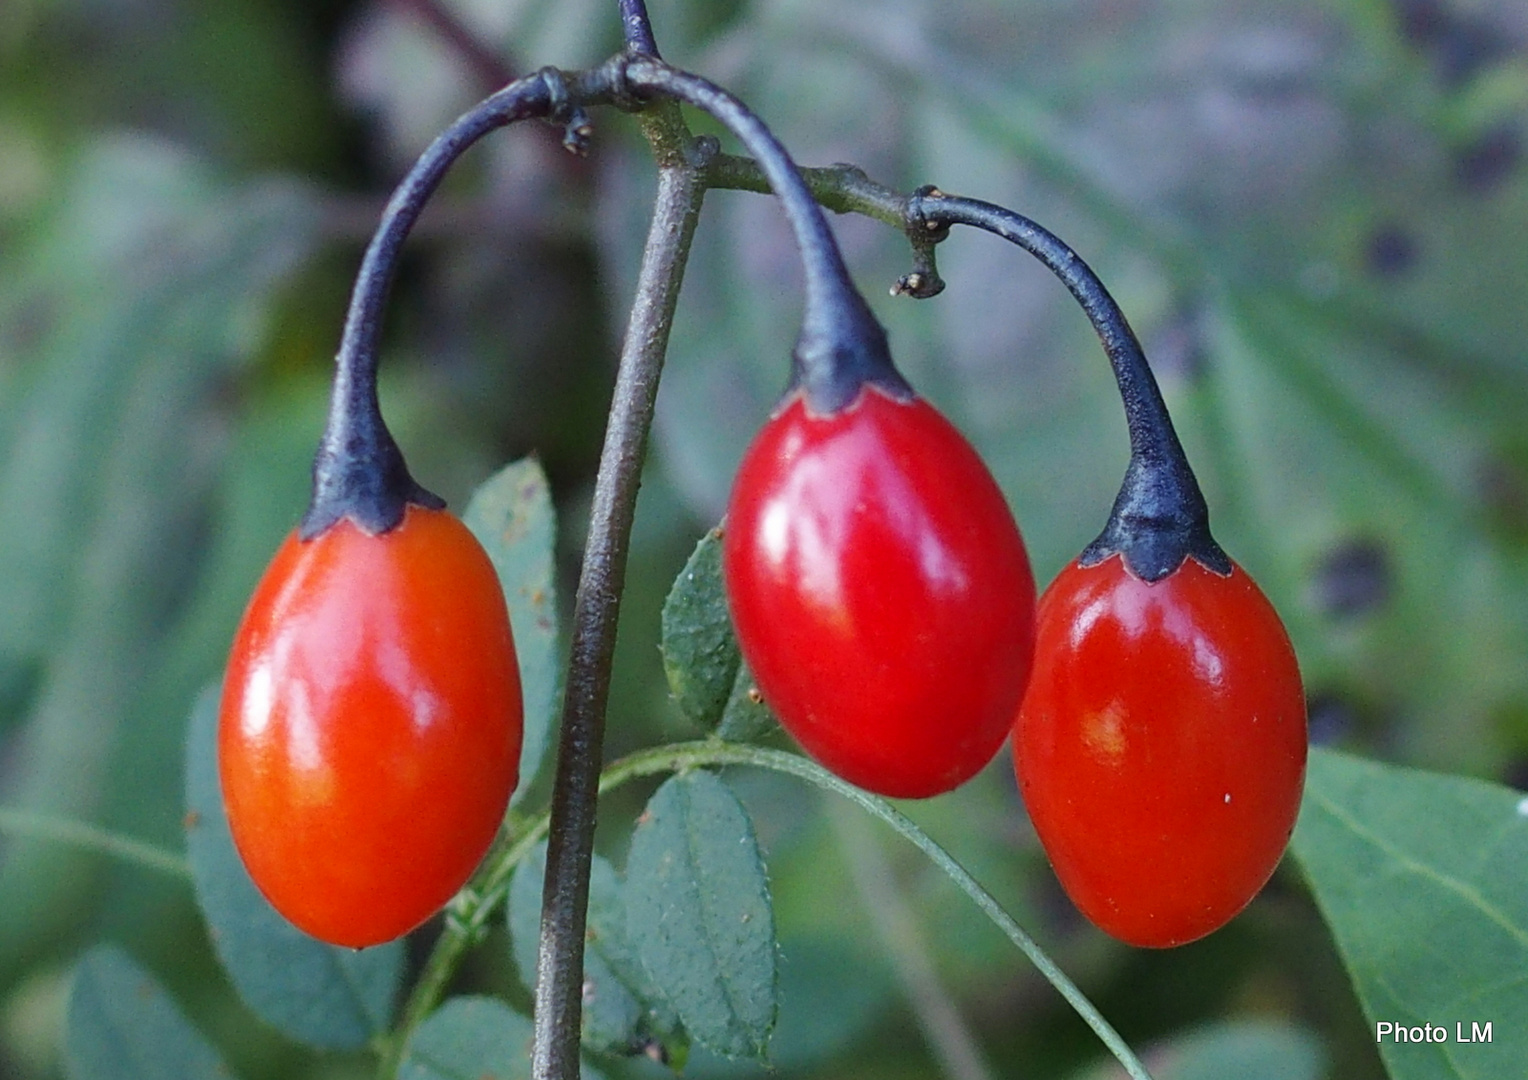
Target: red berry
point(370, 728)
point(1161, 746)
point(881, 592)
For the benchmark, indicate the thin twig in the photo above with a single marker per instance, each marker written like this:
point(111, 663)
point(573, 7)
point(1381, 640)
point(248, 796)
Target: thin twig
point(841, 346)
point(559, 973)
point(844, 189)
point(359, 472)
point(1160, 516)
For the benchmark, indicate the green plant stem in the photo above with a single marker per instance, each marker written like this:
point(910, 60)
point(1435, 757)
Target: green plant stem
point(78, 834)
point(570, 840)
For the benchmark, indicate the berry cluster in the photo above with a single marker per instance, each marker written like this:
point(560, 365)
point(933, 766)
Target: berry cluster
point(882, 598)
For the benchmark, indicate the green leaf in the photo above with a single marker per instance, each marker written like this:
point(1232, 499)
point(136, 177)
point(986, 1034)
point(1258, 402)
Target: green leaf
point(623, 1012)
point(511, 514)
point(472, 1038)
point(319, 994)
point(262, 489)
point(698, 908)
point(833, 993)
point(700, 654)
point(469, 1038)
point(147, 287)
point(705, 669)
point(747, 716)
point(1423, 879)
point(121, 1025)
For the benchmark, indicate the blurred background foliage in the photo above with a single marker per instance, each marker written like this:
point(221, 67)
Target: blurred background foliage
point(1313, 212)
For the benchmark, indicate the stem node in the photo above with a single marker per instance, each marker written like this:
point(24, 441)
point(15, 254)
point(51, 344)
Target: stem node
point(924, 233)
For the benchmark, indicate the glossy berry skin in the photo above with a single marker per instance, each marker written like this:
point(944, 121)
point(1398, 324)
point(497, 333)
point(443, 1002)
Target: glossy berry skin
point(881, 593)
point(1161, 746)
point(369, 735)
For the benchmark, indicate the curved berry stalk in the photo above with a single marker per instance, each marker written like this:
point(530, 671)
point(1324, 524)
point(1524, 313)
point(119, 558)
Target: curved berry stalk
point(842, 348)
point(1161, 745)
point(359, 473)
point(1160, 516)
point(880, 589)
point(370, 726)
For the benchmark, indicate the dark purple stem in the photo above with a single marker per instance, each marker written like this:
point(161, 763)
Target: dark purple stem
point(638, 29)
point(1160, 516)
point(842, 346)
point(359, 472)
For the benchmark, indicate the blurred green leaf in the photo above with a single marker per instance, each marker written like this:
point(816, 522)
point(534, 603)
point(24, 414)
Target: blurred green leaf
point(512, 515)
point(623, 1012)
point(319, 994)
point(1423, 880)
point(144, 291)
point(408, 117)
point(472, 1038)
point(1246, 1050)
point(574, 33)
point(146, 286)
point(698, 909)
point(18, 685)
point(121, 1025)
point(469, 1038)
point(686, 25)
point(1311, 439)
point(261, 493)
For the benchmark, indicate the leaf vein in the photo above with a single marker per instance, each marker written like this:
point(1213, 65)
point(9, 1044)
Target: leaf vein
point(1461, 889)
